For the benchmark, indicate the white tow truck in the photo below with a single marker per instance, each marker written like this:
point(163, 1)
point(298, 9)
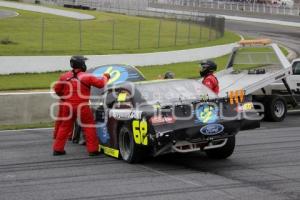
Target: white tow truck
point(261, 70)
point(282, 97)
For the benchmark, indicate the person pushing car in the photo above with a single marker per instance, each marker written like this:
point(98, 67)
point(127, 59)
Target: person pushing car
point(74, 88)
point(207, 70)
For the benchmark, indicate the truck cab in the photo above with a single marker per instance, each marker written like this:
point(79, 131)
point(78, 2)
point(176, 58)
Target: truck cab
point(294, 79)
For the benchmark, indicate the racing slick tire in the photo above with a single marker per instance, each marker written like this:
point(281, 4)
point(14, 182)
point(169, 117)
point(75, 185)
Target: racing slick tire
point(129, 150)
point(222, 152)
point(275, 109)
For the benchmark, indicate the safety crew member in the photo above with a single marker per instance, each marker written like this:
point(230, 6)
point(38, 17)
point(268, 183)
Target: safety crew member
point(74, 88)
point(207, 70)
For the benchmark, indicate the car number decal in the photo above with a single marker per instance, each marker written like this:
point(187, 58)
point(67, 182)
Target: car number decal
point(206, 113)
point(117, 73)
point(140, 132)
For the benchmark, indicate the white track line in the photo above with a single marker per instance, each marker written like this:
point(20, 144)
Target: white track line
point(24, 93)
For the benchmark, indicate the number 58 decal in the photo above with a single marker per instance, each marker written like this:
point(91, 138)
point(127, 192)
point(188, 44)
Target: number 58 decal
point(140, 130)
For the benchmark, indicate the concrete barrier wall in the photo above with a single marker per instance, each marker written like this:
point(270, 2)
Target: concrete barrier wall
point(25, 108)
point(23, 64)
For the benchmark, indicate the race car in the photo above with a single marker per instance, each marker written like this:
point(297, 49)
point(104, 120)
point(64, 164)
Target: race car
point(137, 118)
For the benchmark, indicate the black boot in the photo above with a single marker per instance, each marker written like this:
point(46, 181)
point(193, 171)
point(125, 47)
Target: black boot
point(82, 142)
point(59, 153)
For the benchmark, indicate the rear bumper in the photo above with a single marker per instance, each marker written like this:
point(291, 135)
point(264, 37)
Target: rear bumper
point(186, 147)
point(191, 139)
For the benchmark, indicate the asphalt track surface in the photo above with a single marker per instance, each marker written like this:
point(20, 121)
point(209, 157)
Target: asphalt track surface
point(287, 36)
point(265, 165)
point(47, 10)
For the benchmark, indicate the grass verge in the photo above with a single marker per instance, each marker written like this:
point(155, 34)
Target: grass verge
point(42, 34)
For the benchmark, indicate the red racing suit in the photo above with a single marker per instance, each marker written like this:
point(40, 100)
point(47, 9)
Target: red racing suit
point(58, 122)
point(211, 82)
point(74, 89)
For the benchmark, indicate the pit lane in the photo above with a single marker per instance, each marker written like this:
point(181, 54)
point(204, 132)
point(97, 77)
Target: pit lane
point(265, 165)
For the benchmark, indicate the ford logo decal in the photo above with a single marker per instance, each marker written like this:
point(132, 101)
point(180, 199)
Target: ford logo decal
point(212, 129)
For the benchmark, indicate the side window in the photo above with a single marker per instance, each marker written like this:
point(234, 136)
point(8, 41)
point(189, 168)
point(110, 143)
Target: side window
point(296, 68)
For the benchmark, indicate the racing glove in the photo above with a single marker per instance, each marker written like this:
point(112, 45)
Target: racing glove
point(107, 75)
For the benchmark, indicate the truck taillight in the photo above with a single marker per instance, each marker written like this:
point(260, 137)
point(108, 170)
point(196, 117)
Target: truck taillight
point(157, 120)
point(245, 107)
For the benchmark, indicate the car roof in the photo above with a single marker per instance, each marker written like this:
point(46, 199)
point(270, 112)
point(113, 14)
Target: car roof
point(296, 60)
point(125, 72)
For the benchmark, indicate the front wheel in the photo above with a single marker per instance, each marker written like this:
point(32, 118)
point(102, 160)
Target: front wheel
point(129, 150)
point(224, 151)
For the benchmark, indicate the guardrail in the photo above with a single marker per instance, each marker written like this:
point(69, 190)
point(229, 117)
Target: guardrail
point(140, 5)
point(273, 9)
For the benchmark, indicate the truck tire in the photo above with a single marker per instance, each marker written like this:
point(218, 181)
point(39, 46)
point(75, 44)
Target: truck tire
point(275, 109)
point(222, 152)
point(129, 150)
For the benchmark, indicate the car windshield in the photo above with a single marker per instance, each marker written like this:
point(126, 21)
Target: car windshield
point(174, 90)
point(254, 58)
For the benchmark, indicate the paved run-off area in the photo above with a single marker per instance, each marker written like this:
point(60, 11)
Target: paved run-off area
point(265, 165)
point(43, 9)
point(7, 13)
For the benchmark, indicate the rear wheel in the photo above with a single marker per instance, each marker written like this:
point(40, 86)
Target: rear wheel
point(224, 151)
point(275, 109)
point(130, 152)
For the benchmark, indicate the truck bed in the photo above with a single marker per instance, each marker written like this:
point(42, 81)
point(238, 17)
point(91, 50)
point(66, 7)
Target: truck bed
point(232, 81)
point(229, 81)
